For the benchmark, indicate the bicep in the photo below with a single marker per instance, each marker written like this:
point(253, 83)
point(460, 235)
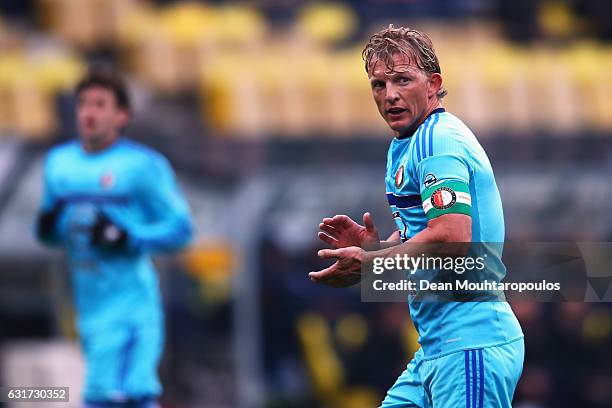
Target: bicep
point(161, 193)
point(451, 228)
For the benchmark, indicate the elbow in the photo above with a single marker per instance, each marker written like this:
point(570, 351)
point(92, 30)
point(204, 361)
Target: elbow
point(188, 233)
point(181, 238)
point(184, 235)
point(177, 238)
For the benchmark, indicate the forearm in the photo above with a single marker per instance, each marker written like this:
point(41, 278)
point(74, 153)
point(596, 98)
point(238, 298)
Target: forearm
point(415, 246)
point(161, 236)
point(439, 240)
point(393, 240)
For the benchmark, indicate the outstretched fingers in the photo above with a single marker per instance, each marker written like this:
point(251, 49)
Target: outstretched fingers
point(318, 276)
point(338, 221)
point(329, 253)
point(342, 220)
point(328, 239)
point(323, 274)
point(329, 230)
point(368, 222)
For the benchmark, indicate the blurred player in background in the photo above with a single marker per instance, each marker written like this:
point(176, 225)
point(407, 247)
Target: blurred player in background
point(110, 203)
point(441, 189)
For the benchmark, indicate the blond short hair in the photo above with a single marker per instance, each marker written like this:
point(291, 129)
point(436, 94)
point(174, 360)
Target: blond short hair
point(415, 45)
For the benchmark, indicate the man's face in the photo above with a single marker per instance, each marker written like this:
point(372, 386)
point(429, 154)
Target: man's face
point(98, 116)
point(404, 95)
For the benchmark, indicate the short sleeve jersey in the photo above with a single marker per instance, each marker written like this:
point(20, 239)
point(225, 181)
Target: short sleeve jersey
point(442, 169)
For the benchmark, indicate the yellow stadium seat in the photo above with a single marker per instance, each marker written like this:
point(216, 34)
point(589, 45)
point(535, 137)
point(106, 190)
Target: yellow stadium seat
point(238, 25)
point(327, 23)
point(86, 23)
point(189, 23)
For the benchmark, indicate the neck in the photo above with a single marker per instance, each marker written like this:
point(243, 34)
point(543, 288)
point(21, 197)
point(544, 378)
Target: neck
point(410, 131)
point(97, 145)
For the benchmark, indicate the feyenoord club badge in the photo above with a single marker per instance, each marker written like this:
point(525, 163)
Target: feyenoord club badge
point(399, 176)
point(107, 180)
point(443, 198)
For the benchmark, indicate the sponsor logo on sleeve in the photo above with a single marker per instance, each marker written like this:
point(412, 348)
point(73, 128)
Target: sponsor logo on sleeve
point(430, 180)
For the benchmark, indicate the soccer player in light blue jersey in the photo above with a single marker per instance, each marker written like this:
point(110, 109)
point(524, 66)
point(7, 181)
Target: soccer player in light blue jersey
point(441, 189)
point(110, 203)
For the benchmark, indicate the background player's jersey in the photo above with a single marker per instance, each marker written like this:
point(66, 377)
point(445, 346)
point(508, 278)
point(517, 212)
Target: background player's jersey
point(135, 187)
point(443, 169)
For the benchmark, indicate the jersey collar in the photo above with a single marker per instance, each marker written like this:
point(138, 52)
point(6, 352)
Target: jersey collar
point(433, 112)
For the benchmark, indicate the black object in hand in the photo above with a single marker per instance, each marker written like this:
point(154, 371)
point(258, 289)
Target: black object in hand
point(105, 234)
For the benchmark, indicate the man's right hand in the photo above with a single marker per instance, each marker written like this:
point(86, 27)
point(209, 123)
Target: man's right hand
point(341, 231)
point(47, 221)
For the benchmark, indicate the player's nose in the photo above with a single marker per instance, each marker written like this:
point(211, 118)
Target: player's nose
point(391, 95)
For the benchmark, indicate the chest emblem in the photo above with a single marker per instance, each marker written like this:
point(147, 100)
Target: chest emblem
point(443, 198)
point(399, 176)
point(107, 181)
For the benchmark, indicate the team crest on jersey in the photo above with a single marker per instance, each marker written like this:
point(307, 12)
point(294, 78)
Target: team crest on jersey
point(443, 198)
point(399, 176)
point(107, 181)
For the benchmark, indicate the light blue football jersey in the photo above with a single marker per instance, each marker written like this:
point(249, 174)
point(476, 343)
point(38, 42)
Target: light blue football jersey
point(135, 187)
point(441, 169)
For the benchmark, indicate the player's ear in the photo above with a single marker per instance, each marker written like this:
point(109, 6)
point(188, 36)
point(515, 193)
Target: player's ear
point(122, 118)
point(435, 84)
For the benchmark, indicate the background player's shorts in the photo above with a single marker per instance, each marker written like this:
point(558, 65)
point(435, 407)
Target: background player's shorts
point(477, 378)
point(122, 362)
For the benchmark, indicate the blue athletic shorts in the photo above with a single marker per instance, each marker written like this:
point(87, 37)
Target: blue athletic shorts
point(122, 362)
point(478, 378)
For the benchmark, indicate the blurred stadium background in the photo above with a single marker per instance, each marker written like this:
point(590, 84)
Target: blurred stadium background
point(264, 110)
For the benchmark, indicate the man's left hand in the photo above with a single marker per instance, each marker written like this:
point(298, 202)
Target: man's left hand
point(346, 271)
